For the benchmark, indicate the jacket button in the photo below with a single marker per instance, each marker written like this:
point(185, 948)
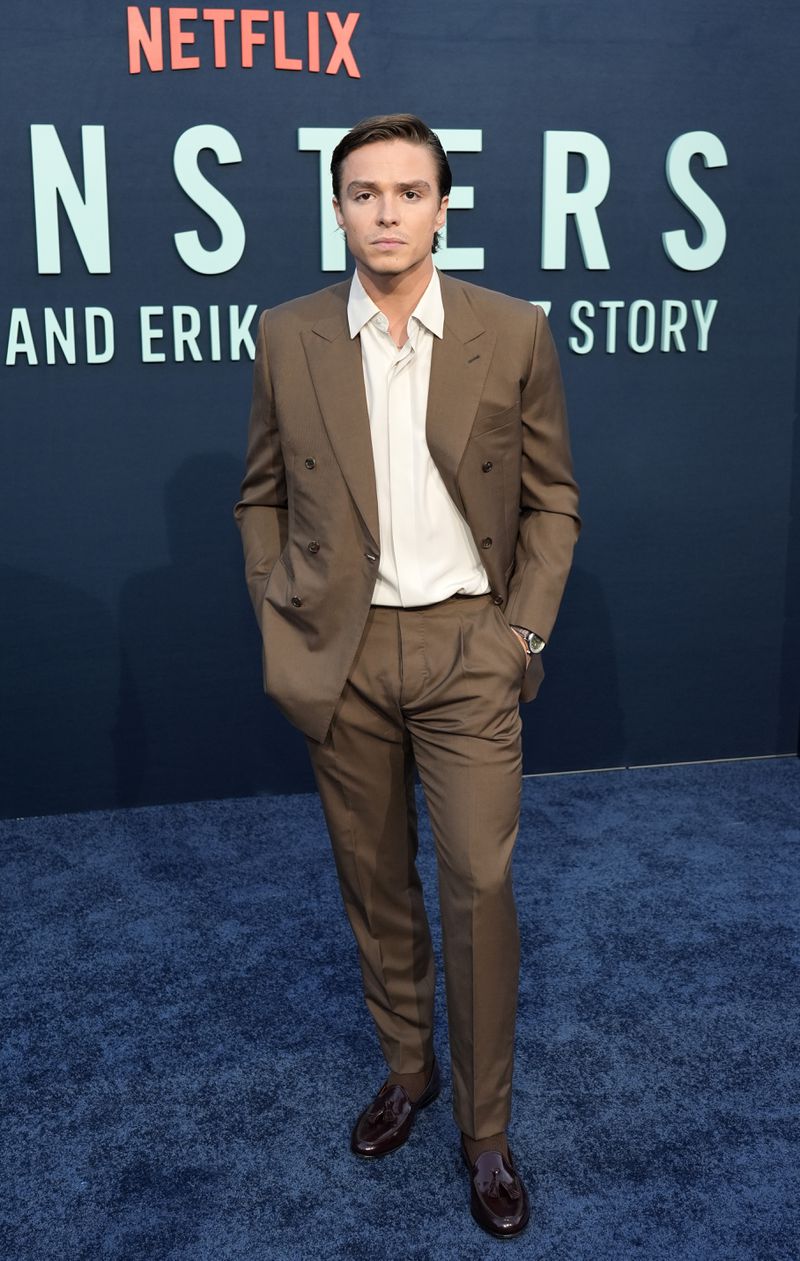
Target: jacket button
point(497, 599)
point(310, 462)
point(296, 601)
point(313, 546)
point(371, 557)
point(487, 466)
point(486, 543)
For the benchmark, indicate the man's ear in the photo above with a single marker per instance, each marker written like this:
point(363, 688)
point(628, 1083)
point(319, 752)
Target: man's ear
point(441, 213)
point(337, 210)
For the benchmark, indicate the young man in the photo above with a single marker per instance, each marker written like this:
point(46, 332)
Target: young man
point(408, 515)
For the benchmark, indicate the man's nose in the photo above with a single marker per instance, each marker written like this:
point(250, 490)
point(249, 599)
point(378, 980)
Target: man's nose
point(388, 210)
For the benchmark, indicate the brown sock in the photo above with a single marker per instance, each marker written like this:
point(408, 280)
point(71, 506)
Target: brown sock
point(412, 1083)
point(494, 1143)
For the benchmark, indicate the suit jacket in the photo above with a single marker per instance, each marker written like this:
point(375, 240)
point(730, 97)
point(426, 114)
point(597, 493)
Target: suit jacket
point(496, 429)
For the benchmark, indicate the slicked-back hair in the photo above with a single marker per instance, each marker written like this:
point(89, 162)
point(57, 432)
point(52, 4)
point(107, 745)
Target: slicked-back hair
point(393, 127)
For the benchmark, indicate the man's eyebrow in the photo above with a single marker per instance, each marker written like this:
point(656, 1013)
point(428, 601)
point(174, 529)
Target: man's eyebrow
point(370, 185)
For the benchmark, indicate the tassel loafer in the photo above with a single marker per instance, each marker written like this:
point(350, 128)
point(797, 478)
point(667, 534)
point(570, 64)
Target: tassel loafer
point(386, 1122)
point(499, 1201)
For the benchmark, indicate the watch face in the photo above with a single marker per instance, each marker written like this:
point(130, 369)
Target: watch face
point(535, 642)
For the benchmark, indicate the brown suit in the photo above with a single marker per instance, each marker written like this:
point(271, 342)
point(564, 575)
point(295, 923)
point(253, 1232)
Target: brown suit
point(496, 430)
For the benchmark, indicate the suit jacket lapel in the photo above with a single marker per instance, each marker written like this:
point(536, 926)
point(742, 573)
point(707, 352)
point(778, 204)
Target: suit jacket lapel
point(459, 365)
point(334, 361)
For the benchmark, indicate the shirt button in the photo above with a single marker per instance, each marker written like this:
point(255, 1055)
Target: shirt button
point(310, 462)
point(313, 546)
point(486, 543)
point(296, 601)
point(487, 466)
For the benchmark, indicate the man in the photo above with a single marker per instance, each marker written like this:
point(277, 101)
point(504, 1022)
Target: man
point(408, 515)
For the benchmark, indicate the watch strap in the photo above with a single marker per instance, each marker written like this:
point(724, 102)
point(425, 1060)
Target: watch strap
point(533, 642)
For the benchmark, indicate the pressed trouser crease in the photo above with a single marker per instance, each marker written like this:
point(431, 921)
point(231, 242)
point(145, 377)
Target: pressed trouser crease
point(438, 687)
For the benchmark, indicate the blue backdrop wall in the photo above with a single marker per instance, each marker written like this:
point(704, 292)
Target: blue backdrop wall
point(632, 166)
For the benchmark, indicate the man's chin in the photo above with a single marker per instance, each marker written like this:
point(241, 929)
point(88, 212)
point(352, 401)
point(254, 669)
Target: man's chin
point(389, 264)
point(385, 258)
point(389, 267)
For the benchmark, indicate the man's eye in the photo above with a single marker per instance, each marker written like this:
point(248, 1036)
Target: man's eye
point(411, 194)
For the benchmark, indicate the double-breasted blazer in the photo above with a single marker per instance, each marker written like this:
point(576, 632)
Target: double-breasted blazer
point(497, 432)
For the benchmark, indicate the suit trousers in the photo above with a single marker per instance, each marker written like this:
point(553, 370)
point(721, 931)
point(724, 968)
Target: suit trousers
point(436, 687)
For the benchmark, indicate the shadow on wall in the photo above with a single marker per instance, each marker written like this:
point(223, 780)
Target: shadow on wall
point(577, 720)
point(193, 720)
point(58, 695)
point(788, 736)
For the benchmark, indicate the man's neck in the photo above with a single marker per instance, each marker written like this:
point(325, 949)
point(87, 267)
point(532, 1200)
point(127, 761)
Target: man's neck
point(397, 296)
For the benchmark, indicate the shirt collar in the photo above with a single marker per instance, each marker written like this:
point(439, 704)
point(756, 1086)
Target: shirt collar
point(429, 311)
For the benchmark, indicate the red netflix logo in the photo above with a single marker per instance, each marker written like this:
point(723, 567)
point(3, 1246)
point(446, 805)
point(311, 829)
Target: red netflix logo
point(244, 29)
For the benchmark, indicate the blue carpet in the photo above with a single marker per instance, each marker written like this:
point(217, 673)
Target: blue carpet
point(185, 1045)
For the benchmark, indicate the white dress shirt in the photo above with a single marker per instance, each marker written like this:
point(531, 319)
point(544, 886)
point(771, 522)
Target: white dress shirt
point(427, 550)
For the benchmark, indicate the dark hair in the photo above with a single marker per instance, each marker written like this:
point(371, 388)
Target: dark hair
point(393, 127)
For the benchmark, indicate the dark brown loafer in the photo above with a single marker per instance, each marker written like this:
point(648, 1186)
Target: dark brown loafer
point(386, 1123)
point(499, 1201)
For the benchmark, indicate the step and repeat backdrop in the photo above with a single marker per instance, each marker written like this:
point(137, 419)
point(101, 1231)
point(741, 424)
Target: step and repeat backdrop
point(632, 168)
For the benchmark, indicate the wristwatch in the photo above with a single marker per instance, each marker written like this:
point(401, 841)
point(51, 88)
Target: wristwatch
point(533, 642)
